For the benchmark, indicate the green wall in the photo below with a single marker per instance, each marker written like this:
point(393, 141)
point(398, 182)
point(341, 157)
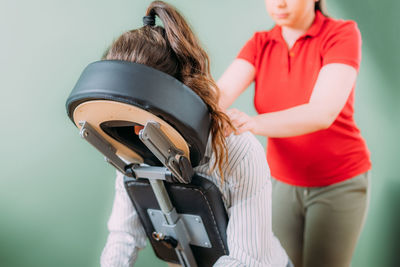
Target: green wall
point(56, 191)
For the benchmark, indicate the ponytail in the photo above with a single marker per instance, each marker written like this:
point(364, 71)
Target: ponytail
point(194, 72)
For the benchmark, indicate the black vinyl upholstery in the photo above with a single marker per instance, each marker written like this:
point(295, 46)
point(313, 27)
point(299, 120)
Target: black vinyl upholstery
point(200, 197)
point(150, 90)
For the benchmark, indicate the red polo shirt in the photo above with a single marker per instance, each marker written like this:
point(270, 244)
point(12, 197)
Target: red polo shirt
point(285, 78)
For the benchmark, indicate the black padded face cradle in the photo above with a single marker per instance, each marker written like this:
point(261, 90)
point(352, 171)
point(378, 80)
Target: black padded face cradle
point(148, 89)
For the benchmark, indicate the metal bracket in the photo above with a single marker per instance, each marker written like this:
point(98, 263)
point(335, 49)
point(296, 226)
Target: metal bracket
point(88, 133)
point(132, 170)
point(151, 172)
point(194, 225)
point(160, 145)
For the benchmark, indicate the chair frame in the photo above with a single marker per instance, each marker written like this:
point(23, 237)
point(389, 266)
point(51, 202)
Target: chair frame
point(172, 229)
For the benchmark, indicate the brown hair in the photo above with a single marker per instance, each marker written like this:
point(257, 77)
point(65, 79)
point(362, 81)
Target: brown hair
point(321, 6)
point(175, 50)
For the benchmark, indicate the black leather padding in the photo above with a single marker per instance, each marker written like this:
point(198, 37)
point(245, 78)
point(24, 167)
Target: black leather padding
point(200, 197)
point(151, 90)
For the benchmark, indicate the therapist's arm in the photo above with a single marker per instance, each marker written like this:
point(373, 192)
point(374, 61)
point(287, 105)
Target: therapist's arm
point(332, 89)
point(236, 78)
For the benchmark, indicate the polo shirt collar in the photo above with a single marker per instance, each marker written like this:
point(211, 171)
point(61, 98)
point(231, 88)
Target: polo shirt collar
point(312, 31)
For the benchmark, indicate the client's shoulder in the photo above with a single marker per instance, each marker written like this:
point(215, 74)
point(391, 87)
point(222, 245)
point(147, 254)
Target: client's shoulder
point(244, 144)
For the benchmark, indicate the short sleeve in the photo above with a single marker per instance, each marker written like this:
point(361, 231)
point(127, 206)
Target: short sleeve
point(249, 50)
point(343, 45)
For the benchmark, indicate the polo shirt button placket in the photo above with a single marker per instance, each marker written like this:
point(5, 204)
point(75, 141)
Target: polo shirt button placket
point(290, 58)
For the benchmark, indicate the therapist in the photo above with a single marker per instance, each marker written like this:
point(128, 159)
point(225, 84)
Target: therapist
point(305, 70)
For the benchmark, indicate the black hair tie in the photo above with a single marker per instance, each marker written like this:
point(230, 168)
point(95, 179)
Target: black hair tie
point(149, 21)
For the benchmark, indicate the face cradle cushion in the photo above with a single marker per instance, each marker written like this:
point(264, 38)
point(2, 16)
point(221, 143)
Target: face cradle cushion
point(114, 96)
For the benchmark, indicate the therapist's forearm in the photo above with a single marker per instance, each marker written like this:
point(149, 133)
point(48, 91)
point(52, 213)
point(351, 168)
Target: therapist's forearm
point(237, 77)
point(299, 120)
point(225, 100)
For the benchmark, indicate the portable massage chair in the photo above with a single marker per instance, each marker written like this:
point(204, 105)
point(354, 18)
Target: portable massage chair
point(182, 212)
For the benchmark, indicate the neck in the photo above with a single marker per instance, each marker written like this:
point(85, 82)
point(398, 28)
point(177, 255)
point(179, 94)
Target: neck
point(291, 33)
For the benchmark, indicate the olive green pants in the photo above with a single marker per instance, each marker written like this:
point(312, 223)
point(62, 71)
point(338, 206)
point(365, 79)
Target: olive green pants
point(320, 226)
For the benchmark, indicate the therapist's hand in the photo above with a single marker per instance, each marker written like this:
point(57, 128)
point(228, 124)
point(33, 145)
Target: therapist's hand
point(241, 121)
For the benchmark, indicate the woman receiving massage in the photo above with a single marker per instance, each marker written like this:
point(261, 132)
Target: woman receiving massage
point(236, 164)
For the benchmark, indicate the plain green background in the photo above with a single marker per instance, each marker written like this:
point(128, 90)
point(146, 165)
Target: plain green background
point(56, 191)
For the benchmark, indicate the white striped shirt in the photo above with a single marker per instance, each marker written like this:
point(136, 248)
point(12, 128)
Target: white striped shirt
point(246, 193)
